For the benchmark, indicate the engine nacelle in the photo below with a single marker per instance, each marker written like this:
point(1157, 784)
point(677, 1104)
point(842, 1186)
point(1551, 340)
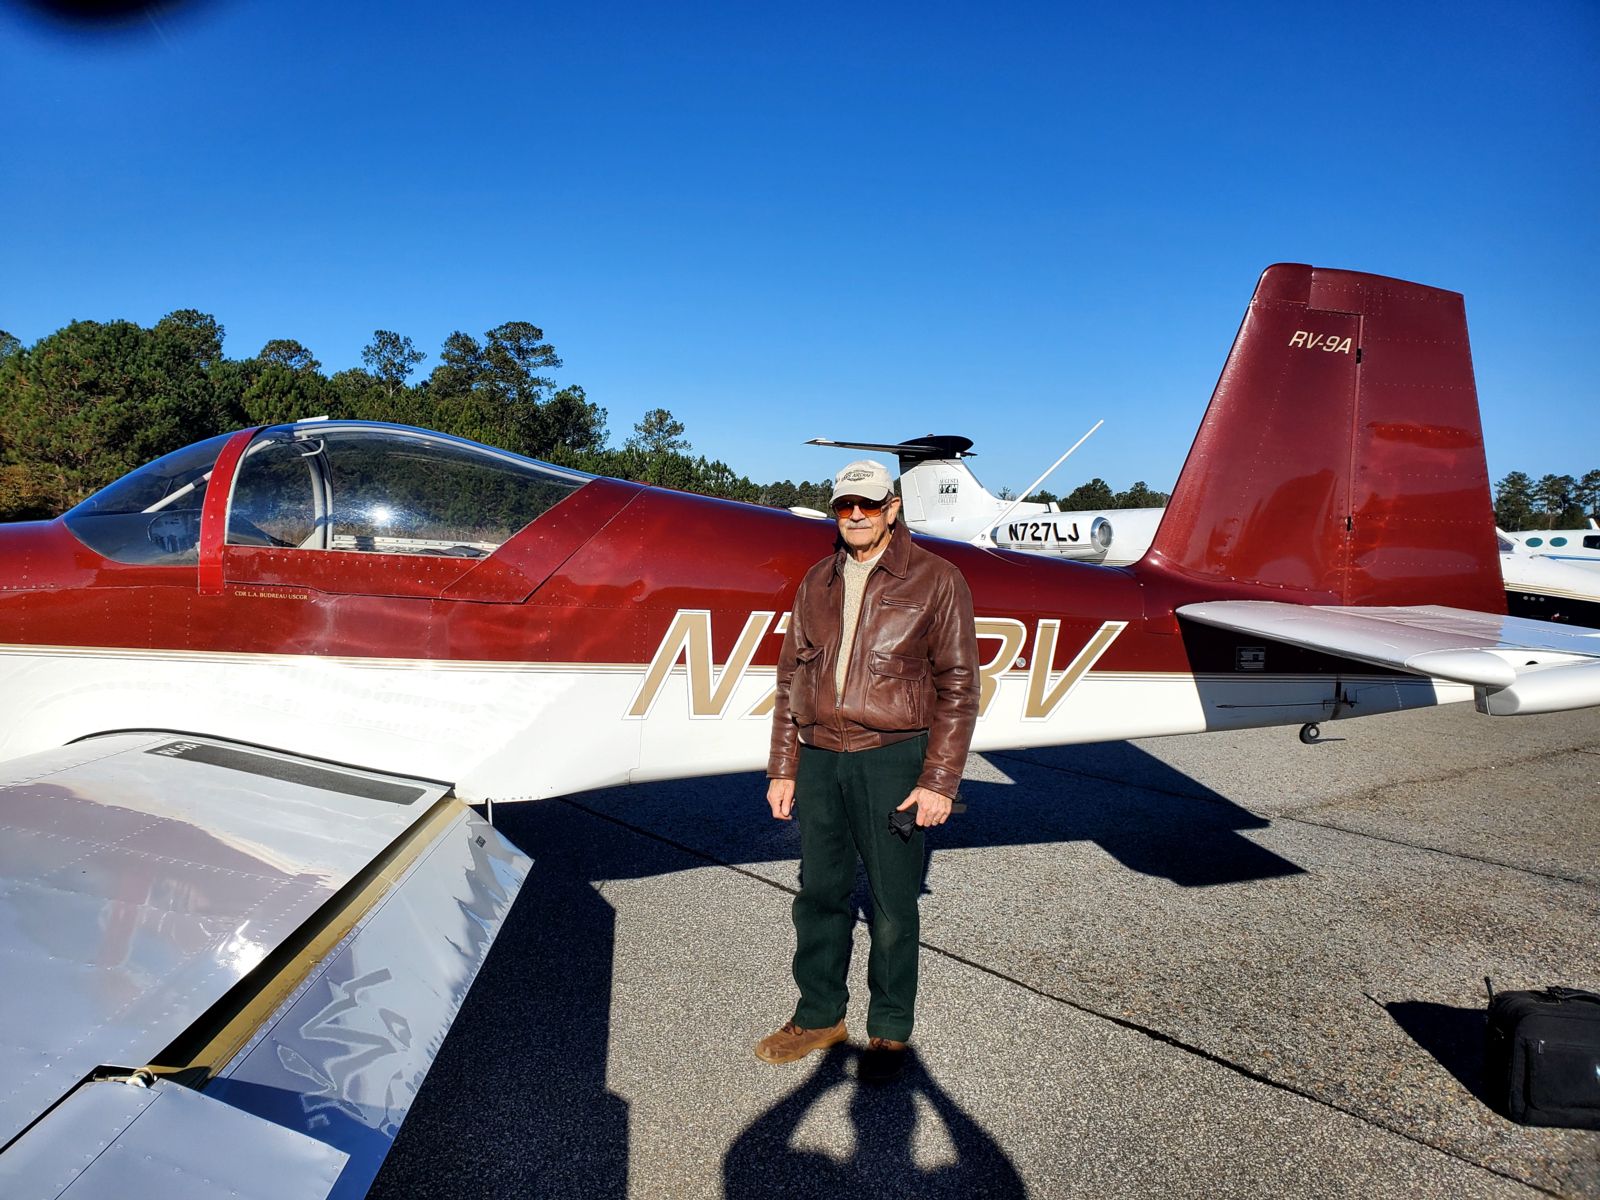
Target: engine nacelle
point(1055, 533)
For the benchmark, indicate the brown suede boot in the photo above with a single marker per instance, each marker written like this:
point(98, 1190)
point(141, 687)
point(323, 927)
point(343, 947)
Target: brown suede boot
point(791, 1043)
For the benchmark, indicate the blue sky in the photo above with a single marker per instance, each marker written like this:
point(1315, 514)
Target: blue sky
point(855, 221)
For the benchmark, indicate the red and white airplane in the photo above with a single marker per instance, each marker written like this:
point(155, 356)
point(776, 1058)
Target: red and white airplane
point(363, 601)
point(406, 601)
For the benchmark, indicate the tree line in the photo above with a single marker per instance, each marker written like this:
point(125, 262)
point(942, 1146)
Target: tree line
point(1520, 501)
point(1097, 494)
point(1551, 502)
point(88, 403)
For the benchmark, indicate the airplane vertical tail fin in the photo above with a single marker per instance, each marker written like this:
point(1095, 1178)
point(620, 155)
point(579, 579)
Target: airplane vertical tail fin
point(943, 492)
point(1341, 458)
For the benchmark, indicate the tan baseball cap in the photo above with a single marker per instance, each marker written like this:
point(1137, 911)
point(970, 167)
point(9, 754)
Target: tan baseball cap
point(865, 478)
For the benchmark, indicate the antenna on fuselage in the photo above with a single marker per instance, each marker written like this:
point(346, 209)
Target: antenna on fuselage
point(983, 539)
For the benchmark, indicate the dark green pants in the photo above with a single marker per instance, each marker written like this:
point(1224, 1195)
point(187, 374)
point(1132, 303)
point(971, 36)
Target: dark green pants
point(842, 802)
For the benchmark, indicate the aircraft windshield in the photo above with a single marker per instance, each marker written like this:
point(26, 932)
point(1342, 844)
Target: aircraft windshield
point(386, 489)
point(153, 514)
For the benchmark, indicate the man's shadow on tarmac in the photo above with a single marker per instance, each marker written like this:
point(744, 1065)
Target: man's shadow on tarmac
point(763, 1160)
point(517, 1101)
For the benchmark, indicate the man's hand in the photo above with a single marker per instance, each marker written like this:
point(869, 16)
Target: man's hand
point(932, 807)
point(780, 798)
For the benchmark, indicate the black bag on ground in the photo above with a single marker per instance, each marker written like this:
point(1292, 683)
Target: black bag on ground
point(1543, 1057)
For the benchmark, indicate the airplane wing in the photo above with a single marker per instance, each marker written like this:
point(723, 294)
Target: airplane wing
point(227, 969)
point(1516, 665)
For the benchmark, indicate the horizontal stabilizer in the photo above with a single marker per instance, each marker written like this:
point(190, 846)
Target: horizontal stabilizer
point(1518, 666)
point(931, 446)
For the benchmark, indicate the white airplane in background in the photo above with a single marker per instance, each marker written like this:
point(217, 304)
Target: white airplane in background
point(1551, 587)
point(942, 497)
point(1581, 547)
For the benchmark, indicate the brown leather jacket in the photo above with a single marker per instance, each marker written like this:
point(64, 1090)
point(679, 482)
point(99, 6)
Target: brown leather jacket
point(913, 665)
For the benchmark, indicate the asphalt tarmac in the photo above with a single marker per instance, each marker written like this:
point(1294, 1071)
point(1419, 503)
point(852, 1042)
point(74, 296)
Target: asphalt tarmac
point(1229, 965)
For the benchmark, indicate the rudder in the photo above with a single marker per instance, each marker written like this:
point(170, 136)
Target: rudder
point(1341, 457)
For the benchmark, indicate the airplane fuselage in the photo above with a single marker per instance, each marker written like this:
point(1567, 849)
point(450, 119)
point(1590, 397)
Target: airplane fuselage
point(592, 648)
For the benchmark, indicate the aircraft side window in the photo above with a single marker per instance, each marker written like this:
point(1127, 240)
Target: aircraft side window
point(1558, 541)
point(1534, 541)
point(274, 494)
point(1591, 541)
point(400, 493)
point(151, 516)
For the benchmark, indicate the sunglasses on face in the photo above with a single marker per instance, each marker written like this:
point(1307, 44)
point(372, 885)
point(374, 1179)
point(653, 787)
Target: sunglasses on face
point(869, 508)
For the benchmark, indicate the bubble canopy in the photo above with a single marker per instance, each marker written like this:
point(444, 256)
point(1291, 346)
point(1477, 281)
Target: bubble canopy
point(325, 485)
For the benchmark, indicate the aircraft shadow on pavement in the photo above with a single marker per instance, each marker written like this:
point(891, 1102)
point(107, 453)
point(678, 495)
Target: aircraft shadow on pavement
point(763, 1160)
point(516, 1104)
point(517, 1101)
point(1148, 816)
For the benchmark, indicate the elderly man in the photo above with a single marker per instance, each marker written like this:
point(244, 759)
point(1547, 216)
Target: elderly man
point(877, 696)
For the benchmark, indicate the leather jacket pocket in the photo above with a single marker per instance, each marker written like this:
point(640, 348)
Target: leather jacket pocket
point(803, 685)
point(896, 690)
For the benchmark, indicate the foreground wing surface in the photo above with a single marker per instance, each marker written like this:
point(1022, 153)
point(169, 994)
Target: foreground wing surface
point(1518, 666)
point(218, 955)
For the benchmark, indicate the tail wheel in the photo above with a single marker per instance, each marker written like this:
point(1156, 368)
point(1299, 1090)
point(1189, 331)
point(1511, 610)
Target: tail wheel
point(1311, 733)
